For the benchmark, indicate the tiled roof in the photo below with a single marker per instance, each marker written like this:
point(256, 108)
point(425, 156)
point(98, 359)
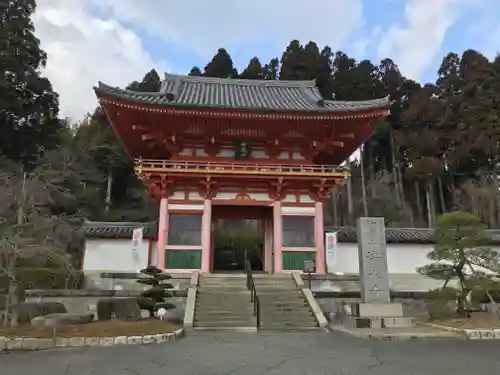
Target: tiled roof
point(402, 235)
point(99, 229)
point(206, 92)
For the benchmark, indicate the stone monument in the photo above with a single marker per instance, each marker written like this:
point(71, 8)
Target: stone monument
point(376, 309)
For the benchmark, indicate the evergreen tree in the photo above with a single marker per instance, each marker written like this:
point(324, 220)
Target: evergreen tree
point(221, 66)
point(195, 71)
point(271, 70)
point(28, 104)
point(254, 70)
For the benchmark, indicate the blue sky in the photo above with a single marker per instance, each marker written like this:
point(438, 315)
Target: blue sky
point(118, 41)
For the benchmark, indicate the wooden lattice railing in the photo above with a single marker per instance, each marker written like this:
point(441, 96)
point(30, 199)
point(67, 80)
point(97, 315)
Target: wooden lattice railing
point(165, 166)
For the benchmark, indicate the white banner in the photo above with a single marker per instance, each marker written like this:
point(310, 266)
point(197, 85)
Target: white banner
point(137, 236)
point(331, 250)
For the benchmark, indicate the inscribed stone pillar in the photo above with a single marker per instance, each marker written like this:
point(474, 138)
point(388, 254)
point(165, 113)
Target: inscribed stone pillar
point(372, 252)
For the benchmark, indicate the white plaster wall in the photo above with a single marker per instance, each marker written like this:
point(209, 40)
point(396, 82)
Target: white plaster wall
point(401, 258)
point(114, 255)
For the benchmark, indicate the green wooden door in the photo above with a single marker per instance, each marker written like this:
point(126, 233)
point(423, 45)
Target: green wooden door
point(294, 260)
point(183, 259)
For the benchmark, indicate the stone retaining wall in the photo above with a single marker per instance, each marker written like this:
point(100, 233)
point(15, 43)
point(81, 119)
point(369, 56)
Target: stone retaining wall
point(414, 303)
point(85, 301)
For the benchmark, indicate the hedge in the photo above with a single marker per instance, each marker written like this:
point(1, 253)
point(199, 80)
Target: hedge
point(45, 278)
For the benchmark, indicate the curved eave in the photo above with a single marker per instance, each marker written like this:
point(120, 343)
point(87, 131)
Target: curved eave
point(158, 102)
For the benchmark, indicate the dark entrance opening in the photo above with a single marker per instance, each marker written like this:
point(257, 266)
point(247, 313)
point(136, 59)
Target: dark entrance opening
point(237, 236)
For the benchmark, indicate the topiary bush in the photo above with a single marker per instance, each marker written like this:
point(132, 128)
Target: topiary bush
point(155, 297)
point(25, 311)
point(440, 303)
point(118, 308)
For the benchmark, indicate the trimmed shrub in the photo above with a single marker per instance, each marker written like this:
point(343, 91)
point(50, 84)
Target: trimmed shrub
point(440, 303)
point(120, 308)
point(25, 311)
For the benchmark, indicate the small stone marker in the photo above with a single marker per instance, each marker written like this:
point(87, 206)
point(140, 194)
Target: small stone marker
point(372, 253)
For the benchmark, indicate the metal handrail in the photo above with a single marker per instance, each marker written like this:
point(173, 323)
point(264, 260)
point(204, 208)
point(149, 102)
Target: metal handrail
point(254, 298)
point(242, 167)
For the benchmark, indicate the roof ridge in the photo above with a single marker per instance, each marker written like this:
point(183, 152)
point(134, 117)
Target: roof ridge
point(116, 223)
point(103, 86)
point(241, 81)
point(367, 101)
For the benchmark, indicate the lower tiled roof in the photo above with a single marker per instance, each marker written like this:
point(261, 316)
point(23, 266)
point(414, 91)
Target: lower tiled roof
point(402, 235)
point(101, 229)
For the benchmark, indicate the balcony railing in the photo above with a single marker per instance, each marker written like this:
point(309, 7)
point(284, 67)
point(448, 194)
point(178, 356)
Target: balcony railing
point(188, 167)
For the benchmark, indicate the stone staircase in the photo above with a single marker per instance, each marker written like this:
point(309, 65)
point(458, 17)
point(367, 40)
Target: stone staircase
point(223, 303)
point(283, 306)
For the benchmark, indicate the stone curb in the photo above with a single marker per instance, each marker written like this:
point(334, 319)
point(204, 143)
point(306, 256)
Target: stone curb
point(388, 336)
point(31, 343)
point(471, 334)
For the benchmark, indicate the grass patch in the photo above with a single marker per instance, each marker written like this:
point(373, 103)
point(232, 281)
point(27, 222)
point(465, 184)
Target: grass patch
point(483, 323)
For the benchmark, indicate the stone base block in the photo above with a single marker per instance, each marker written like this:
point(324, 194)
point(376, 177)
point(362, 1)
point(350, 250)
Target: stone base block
point(398, 322)
point(377, 310)
point(358, 322)
point(376, 322)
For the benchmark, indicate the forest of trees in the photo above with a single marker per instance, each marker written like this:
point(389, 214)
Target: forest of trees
point(437, 152)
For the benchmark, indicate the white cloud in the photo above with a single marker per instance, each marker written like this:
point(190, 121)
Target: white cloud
point(83, 49)
point(205, 26)
point(415, 45)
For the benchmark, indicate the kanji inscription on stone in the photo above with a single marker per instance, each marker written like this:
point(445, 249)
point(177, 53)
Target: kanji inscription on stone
point(373, 260)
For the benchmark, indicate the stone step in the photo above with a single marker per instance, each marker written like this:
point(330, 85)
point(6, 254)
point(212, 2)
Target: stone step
point(223, 282)
point(289, 323)
point(278, 314)
point(222, 309)
point(234, 321)
point(220, 293)
point(239, 323)
point(266, 293)
point(287, 317)
point(288, 328)
point(237, 298)
point(226, 316)
point(283, 302)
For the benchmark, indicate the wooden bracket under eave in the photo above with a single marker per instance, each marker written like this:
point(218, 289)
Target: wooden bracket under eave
point(345, 135)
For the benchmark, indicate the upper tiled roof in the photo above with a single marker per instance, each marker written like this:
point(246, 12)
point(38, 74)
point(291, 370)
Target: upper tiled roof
point(207, 92)
point(403, 235)
point(100, 229)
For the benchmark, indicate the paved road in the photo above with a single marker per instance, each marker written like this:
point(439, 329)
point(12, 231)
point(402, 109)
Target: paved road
point(314, 353)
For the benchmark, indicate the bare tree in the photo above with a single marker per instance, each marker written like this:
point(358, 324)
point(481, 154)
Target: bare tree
point(29, 227)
